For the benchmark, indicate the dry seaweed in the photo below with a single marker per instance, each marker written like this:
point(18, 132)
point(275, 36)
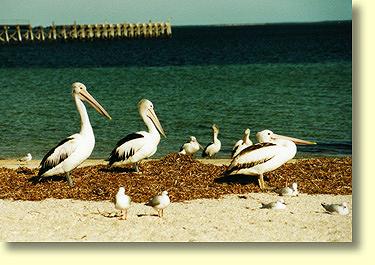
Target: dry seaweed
point(183, 177)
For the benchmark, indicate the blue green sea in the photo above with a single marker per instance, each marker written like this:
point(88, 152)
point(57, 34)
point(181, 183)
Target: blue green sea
point(295, 79)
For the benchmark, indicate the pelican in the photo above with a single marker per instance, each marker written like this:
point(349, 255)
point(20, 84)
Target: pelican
point(159, 202)
point(190, 147)
point(271, 152)
point(212, 148)
point(75, 149)
point(139, 145)
point(242, 144)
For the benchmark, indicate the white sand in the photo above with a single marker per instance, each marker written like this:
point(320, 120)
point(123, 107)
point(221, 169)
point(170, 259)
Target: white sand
point(208, 220)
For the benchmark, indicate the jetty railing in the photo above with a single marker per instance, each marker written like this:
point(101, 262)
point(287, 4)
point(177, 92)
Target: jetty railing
point(27, 33)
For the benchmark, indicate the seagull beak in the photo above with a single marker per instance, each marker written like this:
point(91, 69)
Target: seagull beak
point(152, 115)
point(95, 104)
point(295, 140)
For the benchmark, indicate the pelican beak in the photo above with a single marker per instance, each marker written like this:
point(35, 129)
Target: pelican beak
point(295, 140)
point(95, 104)
point(151, 114)
point(200, 146)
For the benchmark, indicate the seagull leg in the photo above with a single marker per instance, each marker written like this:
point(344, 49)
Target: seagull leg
point(136, 168)
point(69, 179)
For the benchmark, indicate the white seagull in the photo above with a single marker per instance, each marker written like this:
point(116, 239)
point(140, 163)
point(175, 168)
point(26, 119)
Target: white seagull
point(139, 145)
point(278, 205)
point(341, 209)
point(214, 147)
point(190, 147)
point(272, 152)
point(26, 158)
point(288, 191)
point(159, 202)
point(75, 149)
point(122, 202)
point(242, 144)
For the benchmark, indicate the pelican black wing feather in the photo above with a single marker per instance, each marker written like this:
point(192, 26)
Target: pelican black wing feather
point(116, 156)
point(204, 154)
point(47, 163)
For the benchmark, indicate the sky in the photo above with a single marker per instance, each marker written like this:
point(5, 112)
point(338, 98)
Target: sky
point(179, 12)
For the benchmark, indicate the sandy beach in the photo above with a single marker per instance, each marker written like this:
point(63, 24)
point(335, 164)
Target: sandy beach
point(230, 219)
point(218, 212)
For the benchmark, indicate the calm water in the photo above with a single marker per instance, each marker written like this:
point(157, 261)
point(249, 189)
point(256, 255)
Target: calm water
point(293, 79)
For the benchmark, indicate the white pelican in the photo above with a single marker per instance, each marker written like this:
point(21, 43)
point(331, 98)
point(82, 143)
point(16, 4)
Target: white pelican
point(212, 148)
point(139, 145)
point(341, 209)
point(242, 144)
point(190, 147)
point(75, 149)
point(122, 202)
point(159, 202)
point(272, 152)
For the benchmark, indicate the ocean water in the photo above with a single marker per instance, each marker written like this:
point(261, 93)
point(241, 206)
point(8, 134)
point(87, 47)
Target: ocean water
point(295, 79)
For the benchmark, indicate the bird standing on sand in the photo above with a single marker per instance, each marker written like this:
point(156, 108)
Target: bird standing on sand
point(271, 152)
point(26, 158)
point(278, 205)
point(72, 151)
point(214, 147)
point(242, 144)
point(288, 191)
point(341, 209)
point(122, 202)
point(139, 145)
point(159, 202)
point(190, 147)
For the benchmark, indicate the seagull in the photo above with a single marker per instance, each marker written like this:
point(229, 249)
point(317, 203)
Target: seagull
point(190, 147)
point(242, 144)
point(159, 202)
point(341, 209)
point(122, 202)
point(212, 148)
point(26, 158)
point(139, 145)
point(288, 191)
point(72, 151)
point(271, 152)
point(278, 205)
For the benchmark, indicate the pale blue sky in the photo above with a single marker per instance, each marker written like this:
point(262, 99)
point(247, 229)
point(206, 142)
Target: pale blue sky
point(181, 12)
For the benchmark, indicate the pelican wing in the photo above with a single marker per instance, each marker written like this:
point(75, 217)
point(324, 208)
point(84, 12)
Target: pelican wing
point(236, 146)
point(205, 153)
point(58, 154)
point(252, 156)
point(126, 148)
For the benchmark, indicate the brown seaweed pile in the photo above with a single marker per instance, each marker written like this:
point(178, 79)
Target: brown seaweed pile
point(182, 176)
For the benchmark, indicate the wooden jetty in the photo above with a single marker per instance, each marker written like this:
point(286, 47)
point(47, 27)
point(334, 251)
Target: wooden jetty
point(26, 33)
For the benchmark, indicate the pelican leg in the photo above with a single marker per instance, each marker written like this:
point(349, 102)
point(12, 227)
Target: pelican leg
point(69, 179)
point(263, 185)
point(136, 167)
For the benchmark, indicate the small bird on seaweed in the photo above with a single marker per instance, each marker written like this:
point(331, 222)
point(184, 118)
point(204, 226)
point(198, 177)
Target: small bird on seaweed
point(26, 158)
point(214, 147)
point(341, 209)
point(288, 191)
point(159, 202)
point(277, 205)
point(190, 147)
point(122, 203)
